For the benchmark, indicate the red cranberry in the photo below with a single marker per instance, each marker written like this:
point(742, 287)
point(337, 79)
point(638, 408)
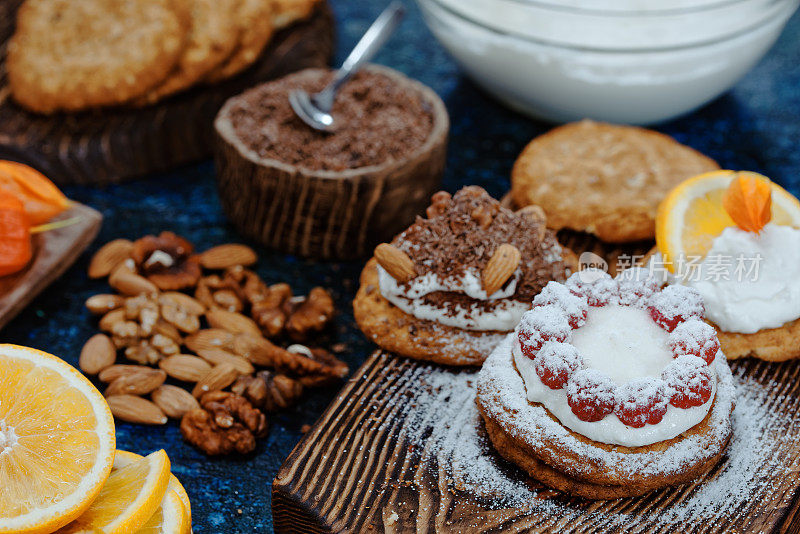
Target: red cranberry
point(590, 395)
point(556, 362)
point(689, 382)
point(641, 401)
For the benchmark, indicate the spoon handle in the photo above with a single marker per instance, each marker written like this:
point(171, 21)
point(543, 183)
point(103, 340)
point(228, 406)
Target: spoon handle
point(375, 37)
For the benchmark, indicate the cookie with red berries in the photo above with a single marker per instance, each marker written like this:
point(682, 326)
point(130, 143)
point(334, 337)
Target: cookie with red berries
point(609, 387)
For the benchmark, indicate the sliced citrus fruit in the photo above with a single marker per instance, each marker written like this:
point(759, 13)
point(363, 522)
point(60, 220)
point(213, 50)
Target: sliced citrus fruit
point(129, 498)
point(56, 441)
point(123, 458)
point(170, 517)
point(692, 214)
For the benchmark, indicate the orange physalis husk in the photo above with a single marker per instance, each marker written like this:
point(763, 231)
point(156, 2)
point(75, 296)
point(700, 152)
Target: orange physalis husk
point(748, 201)
point(41, 198)
point(15, 235)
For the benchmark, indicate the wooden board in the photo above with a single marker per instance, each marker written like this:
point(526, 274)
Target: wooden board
point(54, 252)
point(376, 461)
point(113, 145)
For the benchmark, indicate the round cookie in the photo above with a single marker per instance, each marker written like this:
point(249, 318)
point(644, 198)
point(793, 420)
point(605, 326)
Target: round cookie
point(287, 12)
point(397, 331)
point(213, 37)
point(68, 55)
point(527, 434)
point(255, 28)
point(603, 179)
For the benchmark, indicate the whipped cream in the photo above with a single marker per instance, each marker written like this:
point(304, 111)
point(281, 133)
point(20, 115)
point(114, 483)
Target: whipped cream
point(749, 301)
point(503, 313)
point(624, 343)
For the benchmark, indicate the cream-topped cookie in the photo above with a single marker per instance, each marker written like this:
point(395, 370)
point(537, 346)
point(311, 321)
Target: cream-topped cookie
point(618, 361)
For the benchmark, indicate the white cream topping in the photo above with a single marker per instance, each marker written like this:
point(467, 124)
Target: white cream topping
point(624, 343)
point(738, 299)
point(638, 349)
point(504, 314)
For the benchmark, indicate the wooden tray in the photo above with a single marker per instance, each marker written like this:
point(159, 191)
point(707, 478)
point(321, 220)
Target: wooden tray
point(375, 461)
point(54, 252)
point(117, 144)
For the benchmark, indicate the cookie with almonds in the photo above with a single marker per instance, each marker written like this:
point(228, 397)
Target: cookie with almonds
point(450, 287)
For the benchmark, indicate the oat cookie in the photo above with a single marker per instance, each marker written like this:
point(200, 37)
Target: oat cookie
point(68, 55)
point(213, 37)
point(255, 27)
point(287, 12)
point(603, 179)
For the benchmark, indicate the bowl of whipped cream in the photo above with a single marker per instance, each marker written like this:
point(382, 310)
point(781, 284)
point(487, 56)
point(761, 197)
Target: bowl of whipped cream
point(626, 61)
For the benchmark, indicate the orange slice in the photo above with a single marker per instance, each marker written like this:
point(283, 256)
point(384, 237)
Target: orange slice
point(693, 214)
point(123, 458)
point(128, 499)
point(56, 441)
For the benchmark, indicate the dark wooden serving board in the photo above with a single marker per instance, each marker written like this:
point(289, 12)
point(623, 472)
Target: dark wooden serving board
point(53, 253)
point(363, 466)
point(113, 145)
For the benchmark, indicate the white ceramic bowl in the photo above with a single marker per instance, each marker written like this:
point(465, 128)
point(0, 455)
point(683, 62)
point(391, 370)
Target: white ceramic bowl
point(621, 61)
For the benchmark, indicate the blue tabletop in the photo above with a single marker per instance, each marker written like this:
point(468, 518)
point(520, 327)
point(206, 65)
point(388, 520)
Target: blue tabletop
point(755, 126)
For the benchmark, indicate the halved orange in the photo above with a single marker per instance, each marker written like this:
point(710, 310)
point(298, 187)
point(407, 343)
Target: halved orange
point(692, 214)
point(56, 441)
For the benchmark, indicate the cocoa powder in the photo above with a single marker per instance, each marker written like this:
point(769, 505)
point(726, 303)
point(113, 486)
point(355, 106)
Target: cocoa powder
point(377, 120)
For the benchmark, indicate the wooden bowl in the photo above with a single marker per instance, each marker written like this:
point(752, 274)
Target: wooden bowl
point(328, 214)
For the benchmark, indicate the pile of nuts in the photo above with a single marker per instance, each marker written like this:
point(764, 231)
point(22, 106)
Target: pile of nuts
point(221, 345)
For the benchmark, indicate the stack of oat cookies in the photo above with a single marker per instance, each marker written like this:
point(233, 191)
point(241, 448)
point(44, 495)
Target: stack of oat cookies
point(71, 56)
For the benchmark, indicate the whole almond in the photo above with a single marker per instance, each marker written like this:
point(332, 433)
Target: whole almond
point(97, 354)
point(185, 367)
point(181, 300)
point(109, 374)
point(133, 409)
point(219, 377)
point(229, 255)
point(174, 401)
point(109, 257)
point(395, 262)
point(113, 317)
point(233, 322)
point(210, 338)
point(104, 303)
point(500, 267)
point(131, 284)
point(218, 356)
point(136, 383)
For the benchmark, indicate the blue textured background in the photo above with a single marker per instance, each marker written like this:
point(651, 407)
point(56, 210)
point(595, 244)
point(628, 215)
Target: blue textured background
point(755, 126)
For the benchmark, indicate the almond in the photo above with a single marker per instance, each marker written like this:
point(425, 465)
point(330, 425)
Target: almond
point(131, 284)
point(133, 409)
point(225, 256)
point(218, 356)
point(210, 338)
point(395, 262)
point(140, 383)
point(219, 377)
point(185, 367)
point(501, 266)
point(108, 321)
point(174, 401)
point(109, 257)
point(97, 354)
point(100, 304)
point(109, 374)
point(183, 301)
point(233, 322)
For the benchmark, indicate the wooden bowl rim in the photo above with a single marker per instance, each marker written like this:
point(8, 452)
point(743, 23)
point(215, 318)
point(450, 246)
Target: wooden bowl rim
point(438, 134)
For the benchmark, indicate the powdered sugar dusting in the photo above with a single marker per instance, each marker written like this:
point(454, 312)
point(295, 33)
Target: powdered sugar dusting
point(443, 423)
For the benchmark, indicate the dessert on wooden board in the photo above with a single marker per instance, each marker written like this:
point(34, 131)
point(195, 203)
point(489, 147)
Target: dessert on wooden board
point(609, 387)
point(330, 195)
point(735, 238)
point(72, 56)
point(452, 285)
point(603, 179)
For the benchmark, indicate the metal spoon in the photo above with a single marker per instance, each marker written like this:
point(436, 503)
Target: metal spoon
point(315, 109)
